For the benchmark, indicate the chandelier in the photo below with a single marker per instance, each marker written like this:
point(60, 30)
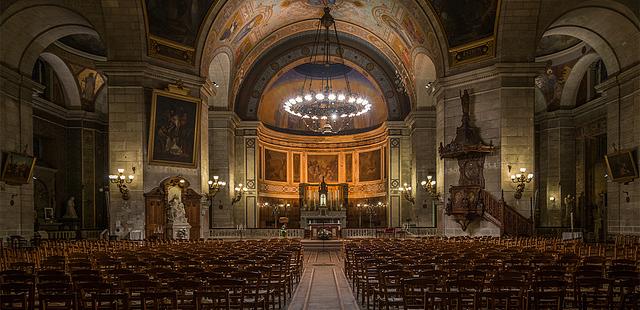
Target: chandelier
point(322, 108)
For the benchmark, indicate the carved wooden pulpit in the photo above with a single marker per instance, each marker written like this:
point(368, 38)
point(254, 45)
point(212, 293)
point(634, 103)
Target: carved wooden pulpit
point(465, 202)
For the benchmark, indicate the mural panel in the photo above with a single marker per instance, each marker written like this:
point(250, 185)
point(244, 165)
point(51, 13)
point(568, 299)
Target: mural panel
point(275, 168)
point(369, 167)
point(319, 166)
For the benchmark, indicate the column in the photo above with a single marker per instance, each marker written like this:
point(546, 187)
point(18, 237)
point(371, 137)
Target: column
point(222, 160)
point(423, 158)
point(246, 170)
point(399, 163)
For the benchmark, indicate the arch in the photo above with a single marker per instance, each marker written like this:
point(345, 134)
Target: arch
point(68, 81)
point(572, 85)
point(38, 26)
point(616, 40)
point(426, 73)
point(220, 73)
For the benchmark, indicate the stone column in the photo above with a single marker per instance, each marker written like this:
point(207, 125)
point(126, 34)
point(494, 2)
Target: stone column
point(623, 129)
point(246, 173)
point(556, 175)
point(16, 135)
point(423, 158)
point(222, 160)
point(130, 86)
point(502, 107)
point(399, 163)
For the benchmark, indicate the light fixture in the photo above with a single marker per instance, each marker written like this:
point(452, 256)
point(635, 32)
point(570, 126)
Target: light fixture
point(370, 209)
point(238, 193)
point(215, 186)
point(430, 187)
point(322, 108)
point(121, 180)
point(407, 193)
point(520, 179)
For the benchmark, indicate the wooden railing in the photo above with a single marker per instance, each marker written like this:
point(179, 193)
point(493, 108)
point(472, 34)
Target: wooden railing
point(510, 221)
point(253, 233)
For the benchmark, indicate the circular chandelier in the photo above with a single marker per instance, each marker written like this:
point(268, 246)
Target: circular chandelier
point(322, 108)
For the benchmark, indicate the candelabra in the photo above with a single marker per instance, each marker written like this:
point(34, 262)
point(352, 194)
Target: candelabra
point(407, 193)
point(238, 193)
point(520, 179)
point(215, 186)
point(370, 210)
point(121, 180)
point(430, 187)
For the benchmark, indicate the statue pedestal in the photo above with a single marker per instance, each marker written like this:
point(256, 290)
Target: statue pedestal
point(179, 231)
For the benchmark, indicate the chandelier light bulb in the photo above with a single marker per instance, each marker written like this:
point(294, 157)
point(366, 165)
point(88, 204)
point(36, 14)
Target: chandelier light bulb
point(308, 97)
point(120, 170)
point(423, 183)
point(341, 97)
point(210, 182)
point(334, 116)
point(523, 170)
point(359, 100)
point(352, 100)
point(518, 175)
point(298, 99)
point(332, 97)
point(320, 96)
point(122, 177)
point(433, 183)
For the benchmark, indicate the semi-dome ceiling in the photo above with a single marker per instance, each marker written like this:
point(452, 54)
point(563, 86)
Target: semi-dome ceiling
point(289, 82)
point(247, 28)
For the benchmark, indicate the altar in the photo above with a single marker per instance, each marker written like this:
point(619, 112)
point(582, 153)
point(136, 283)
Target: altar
point(323, 204)
point(333, 229)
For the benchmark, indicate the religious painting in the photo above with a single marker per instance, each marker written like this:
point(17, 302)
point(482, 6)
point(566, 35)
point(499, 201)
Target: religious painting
point(275, 165)
point(319, 166)
point(246, 29)
point(296, 167)
point(621, 166)
point(90, 82)
point(466, 21)
point(348, 167)
point(399, 30)
point(369, 166)
point(177, 20)
point(173, 133)
point(17, 168)
point(412, 29)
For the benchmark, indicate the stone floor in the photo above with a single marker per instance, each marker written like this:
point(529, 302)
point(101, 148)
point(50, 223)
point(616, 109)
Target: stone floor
point(323, 284)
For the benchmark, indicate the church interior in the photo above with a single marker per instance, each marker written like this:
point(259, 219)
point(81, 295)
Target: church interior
point(320, 154)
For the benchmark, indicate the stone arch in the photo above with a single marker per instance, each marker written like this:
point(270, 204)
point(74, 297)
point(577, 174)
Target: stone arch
point(616, 40)
point(426, 74)
point(572, 85)
point(68, 81)
point(38, 26)
point(220, 73)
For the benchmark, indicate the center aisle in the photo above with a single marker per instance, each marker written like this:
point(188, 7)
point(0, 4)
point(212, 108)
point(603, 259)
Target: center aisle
point(323, 284)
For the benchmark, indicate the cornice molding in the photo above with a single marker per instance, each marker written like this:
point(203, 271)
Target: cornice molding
point(66, 114)
point(129, 73)
point(498, 70)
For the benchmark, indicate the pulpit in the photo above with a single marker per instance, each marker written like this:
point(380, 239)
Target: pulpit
point(166, 205)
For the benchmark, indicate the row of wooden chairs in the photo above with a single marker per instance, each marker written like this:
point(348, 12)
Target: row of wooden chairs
point(482, 273)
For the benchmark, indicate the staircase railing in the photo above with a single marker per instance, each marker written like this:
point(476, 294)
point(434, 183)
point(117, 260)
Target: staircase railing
point(510, 221)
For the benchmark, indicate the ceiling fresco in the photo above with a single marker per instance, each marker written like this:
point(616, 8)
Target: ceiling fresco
point(177, 21)
point(289, 82)
point(466, 21)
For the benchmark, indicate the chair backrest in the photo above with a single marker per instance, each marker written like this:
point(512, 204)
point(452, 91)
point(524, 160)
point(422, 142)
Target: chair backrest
point(159, 300)
point(212, 300)
point(118, 301)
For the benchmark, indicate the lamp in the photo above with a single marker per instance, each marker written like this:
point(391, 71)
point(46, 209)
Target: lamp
point(215, 186)
point(121, 180)
point(370, 210)
point(407, 193)
point(520, 179)
point(238, 193)
point(430, 187)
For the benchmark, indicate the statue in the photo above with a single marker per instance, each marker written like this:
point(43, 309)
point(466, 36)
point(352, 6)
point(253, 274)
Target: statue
point(464, 98)
point(176, 214)
point(70, 212)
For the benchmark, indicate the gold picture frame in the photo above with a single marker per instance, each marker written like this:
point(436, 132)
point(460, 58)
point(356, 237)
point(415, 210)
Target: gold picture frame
point(174, 129)
point(17, 168)
point(621, 166)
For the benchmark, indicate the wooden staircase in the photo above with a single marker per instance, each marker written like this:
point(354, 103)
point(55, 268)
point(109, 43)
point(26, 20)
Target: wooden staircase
point(510, 221)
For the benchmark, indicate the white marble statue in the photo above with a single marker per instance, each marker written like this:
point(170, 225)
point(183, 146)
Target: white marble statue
point(176, 214)
point(70, 212)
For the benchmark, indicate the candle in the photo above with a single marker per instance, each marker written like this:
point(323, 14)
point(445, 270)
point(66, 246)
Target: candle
point(572, 222)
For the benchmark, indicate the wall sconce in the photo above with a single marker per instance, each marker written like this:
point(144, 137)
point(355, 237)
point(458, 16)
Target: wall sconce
point(430, 187)
point(407, 193)
point(521, 179)
point(121, 180)
point(239, 192)
point(553, 201)
point(215, 186)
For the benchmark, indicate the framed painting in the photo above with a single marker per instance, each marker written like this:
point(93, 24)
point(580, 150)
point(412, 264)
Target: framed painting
point(275, 165)
point(319, 166)
point(48, 214)
point(370, 167)
point(17, 168)
point(174, 128)
point(621, 166)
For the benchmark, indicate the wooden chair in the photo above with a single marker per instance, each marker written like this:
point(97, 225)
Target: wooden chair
point(212, 300)
point(159, 300)
point(14, 301)
point(414, 289)
point(234, 287)
point(114, 301)
point(55, 295)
